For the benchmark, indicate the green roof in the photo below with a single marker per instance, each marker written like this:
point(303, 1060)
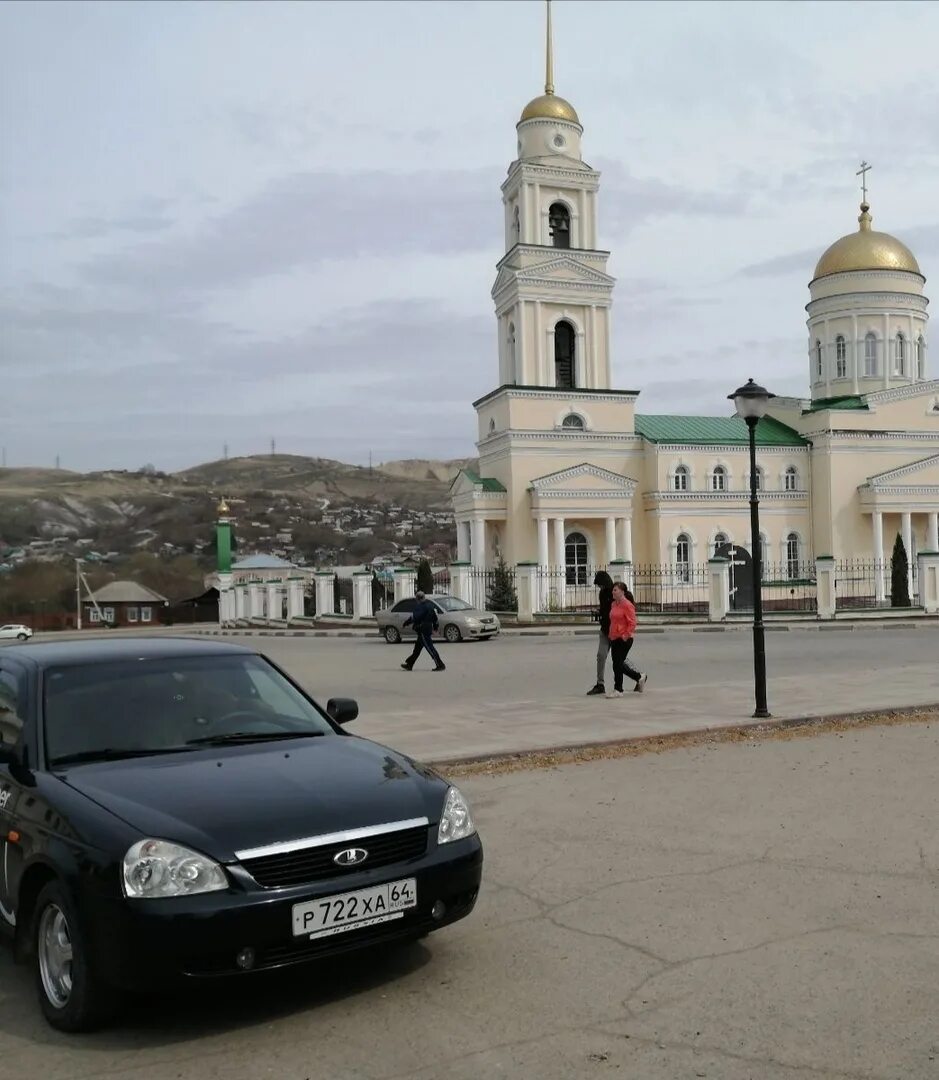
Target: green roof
point(488, 484)
point(849, 401)
point(715, 431)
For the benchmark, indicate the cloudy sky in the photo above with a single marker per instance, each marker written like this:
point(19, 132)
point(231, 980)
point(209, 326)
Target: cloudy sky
point(227, 222)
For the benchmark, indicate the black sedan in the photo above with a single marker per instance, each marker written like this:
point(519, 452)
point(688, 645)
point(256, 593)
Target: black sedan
point(179, 808)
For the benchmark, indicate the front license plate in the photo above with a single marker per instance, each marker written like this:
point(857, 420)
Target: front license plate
point(354, 910)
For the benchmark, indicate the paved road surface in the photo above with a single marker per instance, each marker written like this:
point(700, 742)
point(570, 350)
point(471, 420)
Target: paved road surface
point(765, 911)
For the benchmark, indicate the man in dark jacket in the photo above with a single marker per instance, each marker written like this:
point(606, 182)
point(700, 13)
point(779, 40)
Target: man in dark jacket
point(424, 620)
point(604, 583)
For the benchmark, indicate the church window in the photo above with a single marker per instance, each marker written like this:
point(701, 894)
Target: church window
point(719, 540)
point(792, 556)
point(681, 478)
point(564, 355)
point(920, 358)
point(683, 557)
point(792, 478)
point(492, 427)
point(559, 225)
point(899, 355)
point(818, 359)
point(572, 420)
point(870, 353)
point(841, 357)
point(516, 224)
point(575, 559)
point(719, 478)
point(759, 478)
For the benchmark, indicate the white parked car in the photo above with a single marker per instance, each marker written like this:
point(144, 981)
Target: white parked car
point(16, 630)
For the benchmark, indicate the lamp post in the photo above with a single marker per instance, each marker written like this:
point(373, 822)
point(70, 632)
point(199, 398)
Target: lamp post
point(751, 401)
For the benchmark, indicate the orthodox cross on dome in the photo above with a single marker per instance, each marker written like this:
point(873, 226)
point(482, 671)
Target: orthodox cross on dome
point(862, 172)
point(548, 57)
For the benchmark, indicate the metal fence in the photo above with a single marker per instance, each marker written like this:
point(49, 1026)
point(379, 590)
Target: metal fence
point(862, 584)
point(789, 586)
point(493, 590)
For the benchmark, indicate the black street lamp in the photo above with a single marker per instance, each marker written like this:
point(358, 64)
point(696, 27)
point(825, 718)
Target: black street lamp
point(751, 401)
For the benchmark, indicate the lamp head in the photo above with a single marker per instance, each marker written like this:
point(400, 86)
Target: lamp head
point(751, 400)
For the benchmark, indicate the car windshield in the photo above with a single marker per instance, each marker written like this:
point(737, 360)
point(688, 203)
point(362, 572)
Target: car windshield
point(131, 708)
point(450, 603)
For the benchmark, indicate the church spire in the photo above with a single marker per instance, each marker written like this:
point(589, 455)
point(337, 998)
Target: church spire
point(549, 54)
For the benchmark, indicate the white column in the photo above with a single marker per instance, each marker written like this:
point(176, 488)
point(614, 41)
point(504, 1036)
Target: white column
point(593, 371)
point(559, 541)
point(541, 378)
point(275, 602)
point(580, 240)
point(539, 237)
point(295, 598)
point(325, 594)
point(462, 541)
point(580, 360)
point(604, 381)
point(626, 548)
point(932, 532)
point(906, 531)
point(826, 357)
point(362, 595)
point(877, 520)
point(911, 357)
point(478, 549)
point(523, 348)
point(610, 539)
point(592, 212)
point(543, 542)
point(887, 358)
point(856, 352)
point(519, 347)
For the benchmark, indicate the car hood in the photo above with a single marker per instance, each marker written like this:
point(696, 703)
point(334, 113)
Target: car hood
point(223, 801)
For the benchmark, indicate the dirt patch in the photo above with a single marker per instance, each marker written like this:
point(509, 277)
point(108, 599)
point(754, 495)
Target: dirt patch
point(774, 730)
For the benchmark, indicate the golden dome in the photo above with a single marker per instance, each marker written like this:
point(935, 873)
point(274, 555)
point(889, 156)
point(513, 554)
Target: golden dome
point(866, 250)
point(550, 107)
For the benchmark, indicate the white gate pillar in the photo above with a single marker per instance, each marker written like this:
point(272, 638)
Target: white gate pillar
point(255, 600)
point(294, 597)
point(718, 589)
point(362, 594)
point(325, 593)
point(826, 601)
point(527, 591)
point(405, 583)
point(929, 581)
point(461, 581)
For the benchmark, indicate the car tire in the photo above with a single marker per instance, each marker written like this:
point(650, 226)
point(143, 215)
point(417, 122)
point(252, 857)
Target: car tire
point(71, 996)
point(392, 635)
point(451, 633)
point(22, 637)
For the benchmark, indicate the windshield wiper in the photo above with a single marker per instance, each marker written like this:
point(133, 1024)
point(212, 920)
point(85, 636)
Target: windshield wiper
point(110, 753)
point(251, 736)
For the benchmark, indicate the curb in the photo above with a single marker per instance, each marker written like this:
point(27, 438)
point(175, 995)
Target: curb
point(691, 736)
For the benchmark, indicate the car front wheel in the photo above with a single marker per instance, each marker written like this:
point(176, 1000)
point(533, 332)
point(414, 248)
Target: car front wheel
point(452, 633)
point(70, 995)
point(22, 637)
point(392, 636)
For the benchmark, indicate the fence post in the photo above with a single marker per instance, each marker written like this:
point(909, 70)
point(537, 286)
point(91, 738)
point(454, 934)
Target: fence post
point(255, 600)
point(325, 593)
point(294, 597)
point(275, 602)
point(825, 598)
point(527, 590)
point(622, 570)
point(362, 594)
point(241, 600)
point(718, 589)
point(405, 583)
point(225, 595)
point(461, 581)
point(928, 567)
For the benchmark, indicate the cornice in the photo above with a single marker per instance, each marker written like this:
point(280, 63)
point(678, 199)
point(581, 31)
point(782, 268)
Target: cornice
point(864, 300)
point(557, 393)
point(607, 493)
point(522, 171)
point(900, 393)
point(722, 496)
point(729, 449)
point(853, 434)
point(906, 489)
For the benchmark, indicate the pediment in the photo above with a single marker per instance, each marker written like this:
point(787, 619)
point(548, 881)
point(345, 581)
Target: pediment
point(564, 269)
point(924, 472)
point(582, 478)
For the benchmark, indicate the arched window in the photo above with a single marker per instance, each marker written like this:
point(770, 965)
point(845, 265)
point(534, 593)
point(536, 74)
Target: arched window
point(841, 357)
point(792, 556)
point(492, 427)
point(764, 556)
point(572, 420)
point(680, 481)
point(564, 338)
point(516, 224)
point(870, 353)
point(719, 540)
point(719, 478)
point(575, 559)
point(683, 557)
point(899, 354)
point(791, 478)
point(920, 358)
point(759, 478)
point(818, 359)
point(559, 225)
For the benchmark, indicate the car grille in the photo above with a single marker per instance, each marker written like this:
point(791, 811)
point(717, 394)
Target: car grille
point(316, 863)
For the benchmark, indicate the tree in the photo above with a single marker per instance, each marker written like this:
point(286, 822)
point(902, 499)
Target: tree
point(899, 571)
point(502, 595)
point(425, 577)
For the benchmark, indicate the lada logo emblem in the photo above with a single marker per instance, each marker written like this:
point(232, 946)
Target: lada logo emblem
point(350, 856)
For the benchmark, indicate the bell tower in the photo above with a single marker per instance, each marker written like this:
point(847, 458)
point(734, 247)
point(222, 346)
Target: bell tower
point(552, 293)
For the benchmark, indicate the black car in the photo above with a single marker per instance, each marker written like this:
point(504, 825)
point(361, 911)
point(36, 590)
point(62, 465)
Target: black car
point(179, 808)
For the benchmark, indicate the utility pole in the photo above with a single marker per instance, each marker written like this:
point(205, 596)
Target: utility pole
point(57, 461)
point(4, 457)
point(225, 452)
point(273, 447)
point(78, 594)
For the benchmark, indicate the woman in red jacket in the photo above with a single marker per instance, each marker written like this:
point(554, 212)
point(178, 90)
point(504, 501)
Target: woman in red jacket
point(622, 629)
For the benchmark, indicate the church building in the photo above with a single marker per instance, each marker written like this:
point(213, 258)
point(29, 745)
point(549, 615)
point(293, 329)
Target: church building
point(570, 474)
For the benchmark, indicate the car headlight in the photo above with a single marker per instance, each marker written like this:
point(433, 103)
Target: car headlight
point(155, 868)
point(456, 821)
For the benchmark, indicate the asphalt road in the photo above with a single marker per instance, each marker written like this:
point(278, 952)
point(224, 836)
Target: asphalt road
point(758, 911)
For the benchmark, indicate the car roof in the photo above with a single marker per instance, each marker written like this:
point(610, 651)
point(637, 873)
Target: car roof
point(102, 650)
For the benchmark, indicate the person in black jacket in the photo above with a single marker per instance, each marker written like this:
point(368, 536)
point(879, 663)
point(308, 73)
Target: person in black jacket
point(424, 620)
point(604, 583)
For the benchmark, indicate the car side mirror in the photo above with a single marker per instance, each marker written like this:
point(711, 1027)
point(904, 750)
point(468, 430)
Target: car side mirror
point(342, 709)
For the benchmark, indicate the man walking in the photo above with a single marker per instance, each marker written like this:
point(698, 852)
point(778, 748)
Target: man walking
point(604, 583)
point(424, 620)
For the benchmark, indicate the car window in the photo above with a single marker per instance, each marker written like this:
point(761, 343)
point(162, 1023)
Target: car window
point(405, 605)
point(12, 708)
point(161, 705)
point(451, 603)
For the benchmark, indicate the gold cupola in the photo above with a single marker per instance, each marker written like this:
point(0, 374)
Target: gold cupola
point(866, 249)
